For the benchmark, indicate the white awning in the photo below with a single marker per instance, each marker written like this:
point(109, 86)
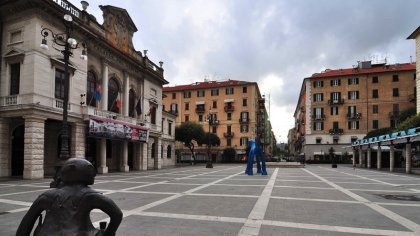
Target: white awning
point(200, 103)
point(319, 153)
point(229, 100)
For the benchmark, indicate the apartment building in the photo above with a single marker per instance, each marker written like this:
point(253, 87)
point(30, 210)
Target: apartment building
point(114, 109)
point(337, 107)
point(237, 106)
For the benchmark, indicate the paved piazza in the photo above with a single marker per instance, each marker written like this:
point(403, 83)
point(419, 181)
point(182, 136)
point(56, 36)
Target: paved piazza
point(316, 200)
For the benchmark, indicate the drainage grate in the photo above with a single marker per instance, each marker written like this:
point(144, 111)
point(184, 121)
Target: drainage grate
point(399, 197)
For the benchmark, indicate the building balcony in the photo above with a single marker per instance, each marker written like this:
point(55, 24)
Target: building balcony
point(318, 117)
point(354, 116)
point(174, 112)
point(200, 110)
point(394, 114)
point(228, 134)
point(229, 108)
point(244, 120)
point(336, 131)
point(336, 102)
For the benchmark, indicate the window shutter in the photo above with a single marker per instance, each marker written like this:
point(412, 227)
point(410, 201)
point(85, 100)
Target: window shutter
point(322, 97)
point(322, 125)
point(322, 83)
point(349, 95)
point(314, 97)
point(349, 124)
point(349, 81)
point(331, 82)
point(357, 94)
point(339, 82)
point(322, 111)
point(357, 80)
point(314, 111)
point(314, 127)
point(314, 84)
point(357, 124)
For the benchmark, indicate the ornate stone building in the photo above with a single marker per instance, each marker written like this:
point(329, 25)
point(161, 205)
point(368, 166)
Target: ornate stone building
point(117, 91)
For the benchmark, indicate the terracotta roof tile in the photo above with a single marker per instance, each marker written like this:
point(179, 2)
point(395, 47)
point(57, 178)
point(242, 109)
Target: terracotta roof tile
point(206, 85)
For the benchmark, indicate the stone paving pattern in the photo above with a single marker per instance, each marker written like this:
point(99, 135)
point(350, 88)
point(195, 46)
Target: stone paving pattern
point(315, 200)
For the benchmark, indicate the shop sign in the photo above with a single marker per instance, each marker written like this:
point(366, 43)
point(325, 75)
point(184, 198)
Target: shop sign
point(110, 129)
point(388, 137)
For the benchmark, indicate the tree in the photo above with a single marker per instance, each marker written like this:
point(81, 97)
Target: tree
point(188, 132)
point(213, 138)
point(410, 122)
point(229, 154)
point(378, 132)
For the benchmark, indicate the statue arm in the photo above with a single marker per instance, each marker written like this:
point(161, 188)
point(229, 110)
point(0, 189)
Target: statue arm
point(28, 221)
point(112, 210)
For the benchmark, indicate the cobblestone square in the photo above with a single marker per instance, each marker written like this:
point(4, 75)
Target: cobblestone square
point(193, 200)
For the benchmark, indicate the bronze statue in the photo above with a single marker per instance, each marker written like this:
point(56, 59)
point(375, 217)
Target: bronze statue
point(68, 207)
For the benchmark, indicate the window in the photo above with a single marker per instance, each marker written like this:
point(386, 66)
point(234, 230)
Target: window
point(318, 140)
point(174, 107)
point(335, 96)
point(169, 127)
point(335, 140)
point(14, 78)
point(351, 111)
point(396, 108)
point(335, 125)
point(375, 79)
point(153, 109)
point(187, 106)
point(214, 104)
point(375, 93)
point(395, 78)
point(215, 92)
point(244, 102)
point(353, 125)
point(353, 81)
point(91, 89)
point(395, 92)
point(353, 95)
point(173, 95)
point(15, 36)
point(244, 128)
point(200, 118)
point(318, 126)
point(187, 94)
point(334, 111)
point(131, 101)
point(243, 141)
point(318, 84)
point(318, 113)
point(318, 97)
point(393, 123)
point(113, 91)
point(375, 109)
point(228, 142)
point(229, 90)
point(229, 116)
point(244, 89)
point(169, 152)
point(375, 124)
point(214, 129)
point(153, 92)
point(59, 83)
point(201, 93)
point(335, 82)
point(187, 118)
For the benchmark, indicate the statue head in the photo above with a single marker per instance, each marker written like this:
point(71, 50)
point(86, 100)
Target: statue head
point(77, 171)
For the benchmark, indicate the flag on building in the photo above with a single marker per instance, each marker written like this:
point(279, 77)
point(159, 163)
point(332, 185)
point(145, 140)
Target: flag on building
point(98, 92)
point(118, 104)
point(138, 107)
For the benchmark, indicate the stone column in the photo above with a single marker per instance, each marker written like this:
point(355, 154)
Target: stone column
point(5, 148)
point(104, 86)
point(33, 167)
point(369, 157)
point(361, 157)
point(354, 156)
point(144, 158)
point(126, 94)
point(159, 154)
point(408, 158)
point(124, 157)
point(379, 157)
point(102, 168)
point(78, 140)
point(391, 158)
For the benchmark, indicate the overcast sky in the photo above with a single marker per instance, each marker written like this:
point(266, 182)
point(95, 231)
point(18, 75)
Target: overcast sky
point(276, 43)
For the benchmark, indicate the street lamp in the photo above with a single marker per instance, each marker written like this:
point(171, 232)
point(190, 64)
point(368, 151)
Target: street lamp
point(212, 121)
point(69, 43)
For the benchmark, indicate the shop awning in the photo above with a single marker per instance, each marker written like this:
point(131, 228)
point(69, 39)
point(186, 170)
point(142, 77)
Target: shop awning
point(200, 103)
point(229, 100)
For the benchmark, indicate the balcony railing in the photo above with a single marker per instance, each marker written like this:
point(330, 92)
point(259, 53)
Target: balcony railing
point(244, 120)
point(318, 117)
point(229, 108)
point(336, 101)
point(200, 110)
point(228, 134)
point(336, 131)
point(354, 116)
point(394, 114)
point(11, 100)
point(174, 112)
point(59, 104)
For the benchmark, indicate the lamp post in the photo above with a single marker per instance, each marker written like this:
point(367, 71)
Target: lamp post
point(64, 40)
point(212, 121)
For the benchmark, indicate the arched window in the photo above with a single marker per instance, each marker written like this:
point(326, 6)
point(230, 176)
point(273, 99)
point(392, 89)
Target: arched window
point(113, 101)
point(131, 102)
point(91, 89)
point(169, 152)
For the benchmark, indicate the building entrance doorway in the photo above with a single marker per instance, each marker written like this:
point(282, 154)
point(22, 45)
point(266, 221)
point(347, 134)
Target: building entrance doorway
point(18, 150)
point(91, 151)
